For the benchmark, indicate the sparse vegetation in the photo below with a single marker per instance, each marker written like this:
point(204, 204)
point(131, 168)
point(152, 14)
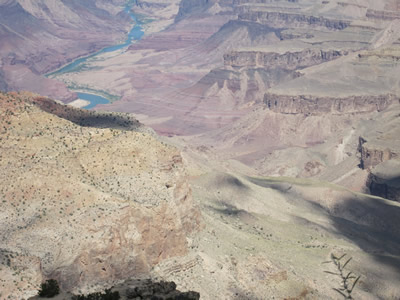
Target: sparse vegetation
point(65, 180)
point(49, 289)
point(107, 295)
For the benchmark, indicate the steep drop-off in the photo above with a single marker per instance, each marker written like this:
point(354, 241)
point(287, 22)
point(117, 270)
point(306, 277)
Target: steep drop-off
point(288, 60)
point(314, 105)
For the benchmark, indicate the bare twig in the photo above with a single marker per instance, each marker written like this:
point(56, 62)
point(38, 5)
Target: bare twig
point(349, 280)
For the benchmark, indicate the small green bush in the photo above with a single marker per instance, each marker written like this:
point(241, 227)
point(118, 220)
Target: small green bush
point(49, 289)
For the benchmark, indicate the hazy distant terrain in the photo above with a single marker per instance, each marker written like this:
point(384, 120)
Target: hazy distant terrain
point(40, 36)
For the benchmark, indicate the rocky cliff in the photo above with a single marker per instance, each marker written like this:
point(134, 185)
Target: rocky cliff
point(384, 180)
point(384, 15)
point(288, 60)
point(311, 105)
point(372, 154)
point(89, 205)
point(379, 154)
point(187, 7)
point(239, 2)
point(291, 20)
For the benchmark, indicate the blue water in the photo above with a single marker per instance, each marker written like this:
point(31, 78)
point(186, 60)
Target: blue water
point(135, 34)
point(94, 99)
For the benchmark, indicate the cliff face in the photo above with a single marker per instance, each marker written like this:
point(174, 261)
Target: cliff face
point(372, 155)
point(288, 60)
point(87, 206)
point(187, 7)
point(386, 15)
point(239, 2)
point(311, 105)
point(384, 180)
point(379, 154)
point(382, 160)
point(283, 19)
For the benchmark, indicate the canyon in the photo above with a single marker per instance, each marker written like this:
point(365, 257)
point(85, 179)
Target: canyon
point(243, 143)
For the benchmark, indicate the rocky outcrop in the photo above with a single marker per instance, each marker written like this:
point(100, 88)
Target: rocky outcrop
point(91, 205)
point(372, 154)
point(147, 289)
point(289, 20)
point(147, 4)
point(312, 105)
point(290, 36)
point(240, 2)
point(384, 15)
point(288, 60)
point(137, 289)
point(385, 54)
point(188, 7)
point(384, 180)
point(3, 83)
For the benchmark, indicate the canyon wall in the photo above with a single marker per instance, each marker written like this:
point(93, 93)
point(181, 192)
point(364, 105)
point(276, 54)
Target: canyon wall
point(372, 154)
point(311, 105)
point(187, 7)
point(385, 15)
point(384, 180)
point(284, 19)
point(288, 60)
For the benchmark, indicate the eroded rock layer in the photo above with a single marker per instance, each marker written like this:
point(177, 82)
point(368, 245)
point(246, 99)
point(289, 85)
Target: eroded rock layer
point(288, 60)
point(315, 105)
point(384, 180)
point(280, 19)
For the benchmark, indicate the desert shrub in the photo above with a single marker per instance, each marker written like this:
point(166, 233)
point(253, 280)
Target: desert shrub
point(107, 295)
point(49, 289)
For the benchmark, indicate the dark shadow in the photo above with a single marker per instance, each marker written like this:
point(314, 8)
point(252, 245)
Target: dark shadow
point(230, 210)
point(280, 186)
point(385, 186)
point(87, 118)
point(137, 289)
point(3, 83)
point(374, 225)
point(236, 182)
point(227, 181)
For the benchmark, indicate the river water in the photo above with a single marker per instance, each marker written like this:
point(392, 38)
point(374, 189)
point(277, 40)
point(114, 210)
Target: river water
point(135, 34)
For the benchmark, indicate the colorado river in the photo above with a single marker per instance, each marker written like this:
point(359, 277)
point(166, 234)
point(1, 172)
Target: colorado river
point(135, 34)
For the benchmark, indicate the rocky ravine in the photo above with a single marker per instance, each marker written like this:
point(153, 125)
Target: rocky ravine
point(85, 205)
